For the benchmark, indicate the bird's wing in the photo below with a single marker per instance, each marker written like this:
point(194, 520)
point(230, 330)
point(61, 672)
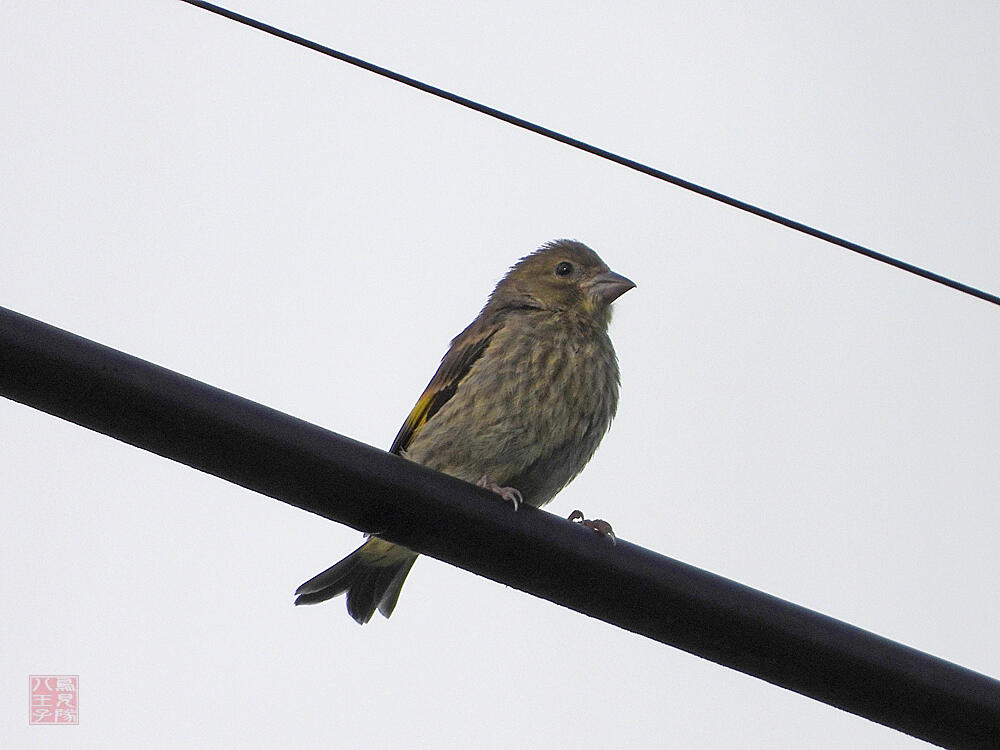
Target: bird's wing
point(465, 350)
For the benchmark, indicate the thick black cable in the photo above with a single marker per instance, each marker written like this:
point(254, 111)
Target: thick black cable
point(366, 488)
point(603, 153)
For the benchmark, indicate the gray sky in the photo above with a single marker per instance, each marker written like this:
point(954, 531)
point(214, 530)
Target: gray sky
point(264, 219)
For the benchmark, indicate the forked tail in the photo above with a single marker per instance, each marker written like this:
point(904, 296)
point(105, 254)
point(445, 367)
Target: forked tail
point(372, 576)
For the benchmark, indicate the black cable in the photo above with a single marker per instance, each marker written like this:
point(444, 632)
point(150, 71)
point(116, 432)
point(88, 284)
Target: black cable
point(634, 588)
point(604, 154)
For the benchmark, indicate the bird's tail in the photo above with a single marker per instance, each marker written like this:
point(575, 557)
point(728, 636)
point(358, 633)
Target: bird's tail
point(372, 576)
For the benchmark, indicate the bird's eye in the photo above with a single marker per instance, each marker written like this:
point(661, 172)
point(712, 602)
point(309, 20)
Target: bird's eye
point(564, 269)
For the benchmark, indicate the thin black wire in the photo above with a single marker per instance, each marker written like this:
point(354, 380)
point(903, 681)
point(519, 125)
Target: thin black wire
point(604, 154)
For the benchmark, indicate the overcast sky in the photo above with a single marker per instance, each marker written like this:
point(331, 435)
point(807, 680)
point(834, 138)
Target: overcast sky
point(264, 219)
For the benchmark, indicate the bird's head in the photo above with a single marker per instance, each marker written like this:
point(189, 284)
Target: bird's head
point(564, 275)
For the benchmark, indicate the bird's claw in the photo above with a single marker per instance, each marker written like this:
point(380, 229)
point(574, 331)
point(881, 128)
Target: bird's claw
point(510, 494)
point(599, 525)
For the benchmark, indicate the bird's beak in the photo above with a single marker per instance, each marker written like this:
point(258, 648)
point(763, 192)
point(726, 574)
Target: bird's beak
point(608, 286)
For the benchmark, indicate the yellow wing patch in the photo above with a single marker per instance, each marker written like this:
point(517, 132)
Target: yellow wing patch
point(455, 366)
point(420, 413)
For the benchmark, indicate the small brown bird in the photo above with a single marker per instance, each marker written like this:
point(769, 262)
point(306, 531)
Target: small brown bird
point(518, 405)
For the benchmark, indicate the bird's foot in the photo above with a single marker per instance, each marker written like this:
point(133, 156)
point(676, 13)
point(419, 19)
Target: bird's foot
point(600, 526)
point(510, 494)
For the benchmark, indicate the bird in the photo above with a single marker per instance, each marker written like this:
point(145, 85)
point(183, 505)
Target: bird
point(518, 405)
